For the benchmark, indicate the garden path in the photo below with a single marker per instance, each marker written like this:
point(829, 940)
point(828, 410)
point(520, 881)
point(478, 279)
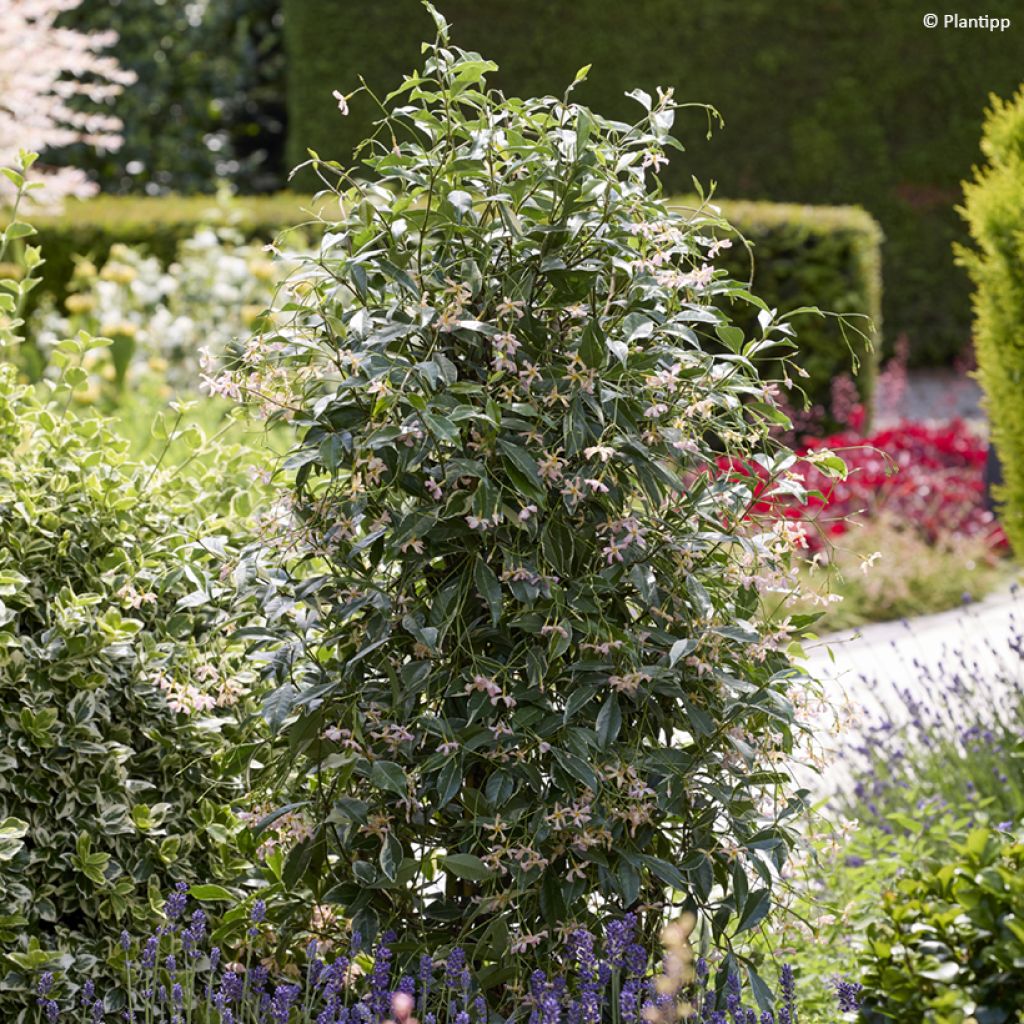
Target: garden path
point(931, 394)
point(875, 668)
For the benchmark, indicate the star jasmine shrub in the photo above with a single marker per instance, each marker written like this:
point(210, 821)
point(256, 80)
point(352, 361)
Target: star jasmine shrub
point(514, 609)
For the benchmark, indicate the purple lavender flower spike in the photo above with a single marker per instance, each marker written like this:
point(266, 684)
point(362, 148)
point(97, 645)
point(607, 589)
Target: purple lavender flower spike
point(380, 979)
point(848, 995)
point(175, 904)
point(284, 997)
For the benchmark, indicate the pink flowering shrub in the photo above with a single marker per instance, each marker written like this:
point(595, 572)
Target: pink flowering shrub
point(46, 72)
point(514, 634)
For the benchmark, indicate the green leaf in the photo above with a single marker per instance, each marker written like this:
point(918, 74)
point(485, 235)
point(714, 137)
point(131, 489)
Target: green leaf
point(759, 987)
point(609, 721)
point(468, 866)
point(12, 831)
point(680, 649)
point(945, 972)
point(521, 459)
point(593, 347)
point(388, 775)
point(278, 704)
point(441, 427)
point(667, 873)
point(11, 582)
point(449, 781)
point(462, 201)
point(18, 229)
point(755, 910)
point(390, 856)
point(730, 336)
point(488, 585)
point(578, 768)
point(211, 892)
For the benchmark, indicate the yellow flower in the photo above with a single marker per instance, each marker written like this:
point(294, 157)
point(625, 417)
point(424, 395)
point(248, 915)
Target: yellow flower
point(120, 273)
point(122, 328)
point(12, 270)
point(262, 270)
point(250, 311)
point(80, 303)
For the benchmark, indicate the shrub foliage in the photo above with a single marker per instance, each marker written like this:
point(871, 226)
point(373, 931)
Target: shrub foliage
point(515, 652)
point(994, 210)
point(793, 255)
point(121, 701)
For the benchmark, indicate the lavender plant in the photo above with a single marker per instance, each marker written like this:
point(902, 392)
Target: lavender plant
point(181, 973)
point(952, 743)
point(514, 627)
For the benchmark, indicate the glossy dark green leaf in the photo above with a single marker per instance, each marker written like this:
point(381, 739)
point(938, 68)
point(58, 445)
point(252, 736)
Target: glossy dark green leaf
point(468, 866)
point(609, 721)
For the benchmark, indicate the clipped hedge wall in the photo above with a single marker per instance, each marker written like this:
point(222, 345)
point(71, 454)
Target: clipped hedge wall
point(825, 256)
point(157, 224)
point(821, 101)
point(802, 255)
point(994, 210)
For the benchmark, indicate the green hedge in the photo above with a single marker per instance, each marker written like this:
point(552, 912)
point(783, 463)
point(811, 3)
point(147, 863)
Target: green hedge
point(801, 255)
point(157, 224)
point(825, 101)
point(826, 256)
point(994, 210)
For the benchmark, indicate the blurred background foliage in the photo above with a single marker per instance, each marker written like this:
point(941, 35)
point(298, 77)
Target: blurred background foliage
point(825, 101)
point(208, 105)
point(821, 100)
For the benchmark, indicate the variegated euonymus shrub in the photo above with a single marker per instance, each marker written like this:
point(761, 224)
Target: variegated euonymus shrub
point(520, 651)
point(123, 701)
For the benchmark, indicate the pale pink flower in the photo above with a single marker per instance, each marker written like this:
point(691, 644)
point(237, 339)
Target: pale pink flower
point(603, 451)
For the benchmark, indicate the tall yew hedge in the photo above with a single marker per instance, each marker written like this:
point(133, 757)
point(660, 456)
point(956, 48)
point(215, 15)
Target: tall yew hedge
point(824, 102)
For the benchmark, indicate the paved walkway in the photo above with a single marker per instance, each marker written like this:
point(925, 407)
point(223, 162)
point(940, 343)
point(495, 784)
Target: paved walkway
point(931, 395)
point(866, 669)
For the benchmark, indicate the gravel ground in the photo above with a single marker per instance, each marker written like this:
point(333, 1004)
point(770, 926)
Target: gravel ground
point(932, 395)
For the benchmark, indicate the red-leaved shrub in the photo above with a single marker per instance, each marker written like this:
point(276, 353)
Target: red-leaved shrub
point(929, 477)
